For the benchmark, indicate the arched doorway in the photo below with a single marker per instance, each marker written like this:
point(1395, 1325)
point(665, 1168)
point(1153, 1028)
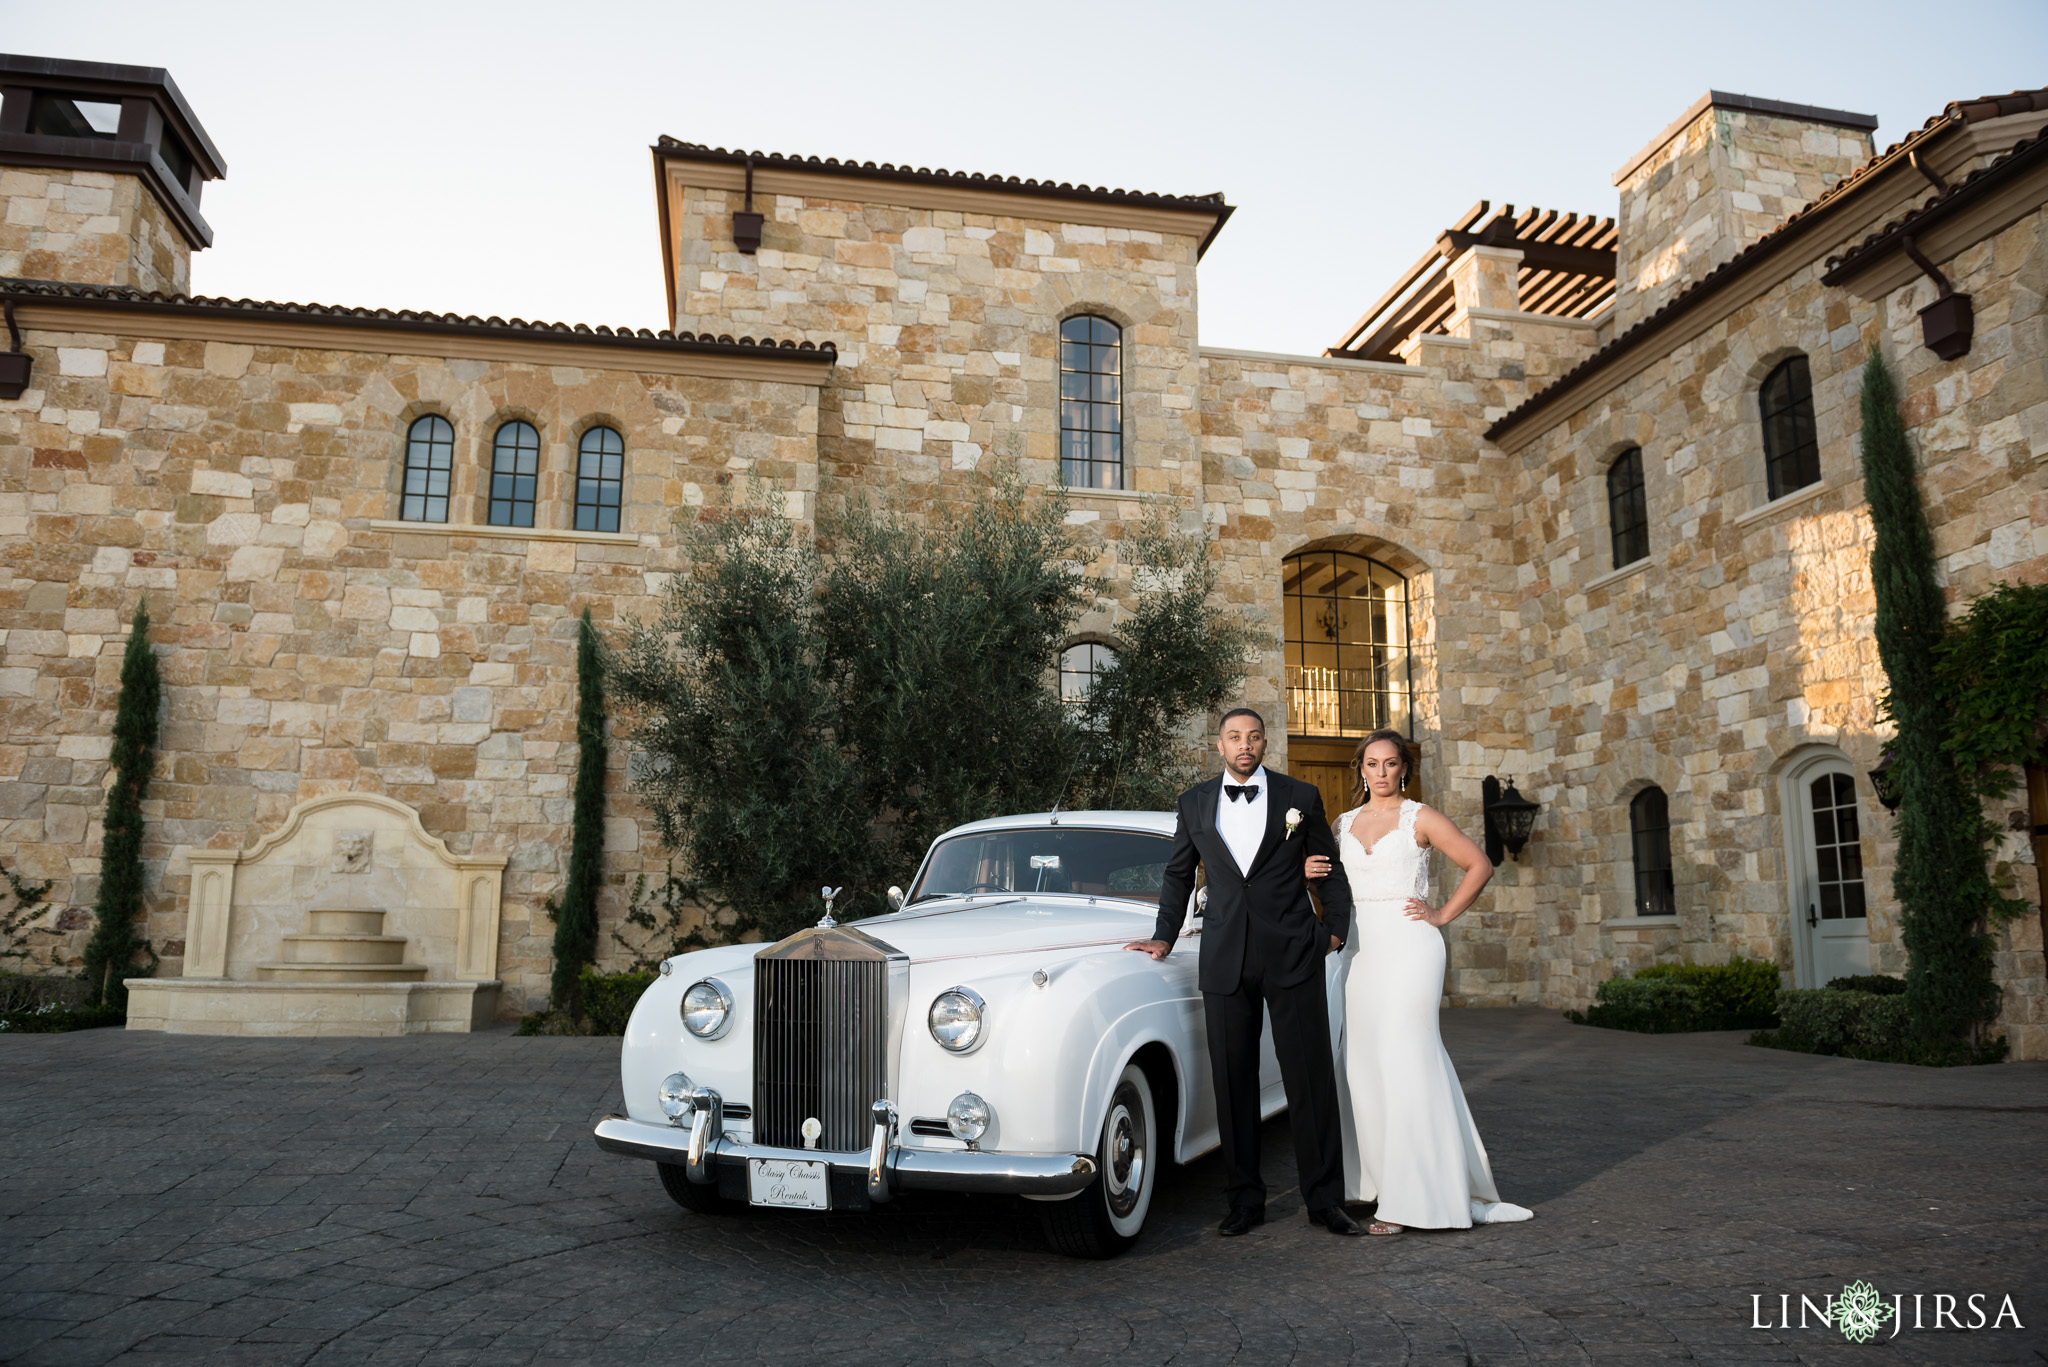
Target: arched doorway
point(1350, 668)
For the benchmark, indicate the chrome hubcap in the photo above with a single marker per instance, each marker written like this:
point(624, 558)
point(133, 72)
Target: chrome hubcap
point(1124, 1175)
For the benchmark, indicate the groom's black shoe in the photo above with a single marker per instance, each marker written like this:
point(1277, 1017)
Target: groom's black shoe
point(1335, 1220)
point(1241, 1219)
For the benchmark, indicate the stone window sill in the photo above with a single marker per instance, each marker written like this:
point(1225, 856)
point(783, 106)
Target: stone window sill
point(1112, 495)
point(507, 533)
point(1645, 922)
point(1793, 499)
point(1616, 575)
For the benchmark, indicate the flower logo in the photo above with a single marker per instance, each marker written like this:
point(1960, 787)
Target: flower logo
point(1860, 1312)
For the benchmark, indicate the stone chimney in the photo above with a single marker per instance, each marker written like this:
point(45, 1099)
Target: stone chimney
point(101, 169)
point(1730, 170)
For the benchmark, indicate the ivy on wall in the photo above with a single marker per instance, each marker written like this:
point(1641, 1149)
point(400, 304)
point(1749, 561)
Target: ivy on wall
point(1992, 669)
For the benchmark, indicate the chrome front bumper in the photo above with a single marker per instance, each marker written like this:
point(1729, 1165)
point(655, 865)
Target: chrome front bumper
point(701, 1147)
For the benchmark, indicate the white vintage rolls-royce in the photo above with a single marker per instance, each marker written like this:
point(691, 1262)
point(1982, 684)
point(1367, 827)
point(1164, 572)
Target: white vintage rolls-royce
point(989, 1035)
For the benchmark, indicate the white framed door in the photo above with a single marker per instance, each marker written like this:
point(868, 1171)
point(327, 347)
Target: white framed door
point(1827, 889)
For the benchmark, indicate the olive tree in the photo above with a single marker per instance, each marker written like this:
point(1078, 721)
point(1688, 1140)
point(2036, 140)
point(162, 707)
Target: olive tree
point(806, 717)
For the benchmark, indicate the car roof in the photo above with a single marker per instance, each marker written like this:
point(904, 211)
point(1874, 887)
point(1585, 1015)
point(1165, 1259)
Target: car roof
point(1160, 823)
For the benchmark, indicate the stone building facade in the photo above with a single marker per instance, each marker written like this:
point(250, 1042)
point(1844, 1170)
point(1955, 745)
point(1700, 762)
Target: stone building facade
point(243, 466)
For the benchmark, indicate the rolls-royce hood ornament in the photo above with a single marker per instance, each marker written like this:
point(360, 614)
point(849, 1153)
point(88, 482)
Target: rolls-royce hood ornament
point(830, 895)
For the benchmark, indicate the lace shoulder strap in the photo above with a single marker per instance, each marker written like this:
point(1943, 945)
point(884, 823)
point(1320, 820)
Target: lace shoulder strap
point(1344, 822)
point(1410, 809)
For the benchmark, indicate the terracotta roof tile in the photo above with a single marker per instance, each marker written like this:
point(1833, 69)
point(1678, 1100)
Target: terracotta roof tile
point(1959, 111)
point(1209, 204)
point(411, 320)
point(1934, 204)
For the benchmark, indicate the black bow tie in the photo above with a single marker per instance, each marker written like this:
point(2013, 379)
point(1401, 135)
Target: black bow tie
point(1249, 791)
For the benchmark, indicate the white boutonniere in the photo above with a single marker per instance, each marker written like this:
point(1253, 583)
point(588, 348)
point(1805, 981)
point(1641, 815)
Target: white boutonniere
point(1293, 820)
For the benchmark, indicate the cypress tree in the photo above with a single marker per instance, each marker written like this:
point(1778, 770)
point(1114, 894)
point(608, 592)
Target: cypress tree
point(1943, 888)
point(576, 914)
point(111, 951)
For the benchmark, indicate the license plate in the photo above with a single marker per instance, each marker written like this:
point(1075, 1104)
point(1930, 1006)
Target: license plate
point(788, 1182)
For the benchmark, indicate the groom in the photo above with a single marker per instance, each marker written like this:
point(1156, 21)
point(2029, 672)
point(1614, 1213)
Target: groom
point(1262, 948)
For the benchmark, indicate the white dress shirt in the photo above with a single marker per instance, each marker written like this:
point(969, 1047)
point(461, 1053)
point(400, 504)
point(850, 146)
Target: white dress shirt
point(1242, 823)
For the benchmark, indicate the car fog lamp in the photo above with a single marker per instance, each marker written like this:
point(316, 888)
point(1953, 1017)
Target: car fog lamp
point(676, 1092)
point(955, 1019)
point(707, 1008)
point(968, 1117)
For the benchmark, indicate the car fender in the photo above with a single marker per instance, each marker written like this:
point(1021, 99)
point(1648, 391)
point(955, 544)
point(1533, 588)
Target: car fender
point(656, 1044)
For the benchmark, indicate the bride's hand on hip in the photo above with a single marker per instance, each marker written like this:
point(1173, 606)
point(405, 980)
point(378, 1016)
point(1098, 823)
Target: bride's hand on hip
point(1419, 910)
point(1316, 866)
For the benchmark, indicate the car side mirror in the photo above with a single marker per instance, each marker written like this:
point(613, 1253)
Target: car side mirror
point(895, 899)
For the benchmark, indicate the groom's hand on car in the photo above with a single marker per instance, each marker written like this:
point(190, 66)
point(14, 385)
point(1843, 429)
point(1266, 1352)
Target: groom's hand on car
point(1156, 948)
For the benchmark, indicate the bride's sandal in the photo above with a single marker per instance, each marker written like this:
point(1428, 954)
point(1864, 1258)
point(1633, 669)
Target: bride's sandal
point(1382, 1227)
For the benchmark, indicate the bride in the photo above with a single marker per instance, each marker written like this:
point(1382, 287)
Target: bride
point(1409, 1142)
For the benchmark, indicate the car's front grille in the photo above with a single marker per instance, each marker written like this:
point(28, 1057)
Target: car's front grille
point(820, 1048)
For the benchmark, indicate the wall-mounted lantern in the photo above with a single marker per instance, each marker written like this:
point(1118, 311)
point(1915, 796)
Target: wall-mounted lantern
point(746, 224)
point(1886, 786)
point(1509, 819)
point(16, 364)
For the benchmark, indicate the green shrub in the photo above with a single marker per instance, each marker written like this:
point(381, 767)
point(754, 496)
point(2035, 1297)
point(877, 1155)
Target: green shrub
point(52, 1019)
point(1869, 982)
point(1875, 1026)
point(1741, 994)
point(1653, 1006)
point(1670, 998)
point(608, 1000)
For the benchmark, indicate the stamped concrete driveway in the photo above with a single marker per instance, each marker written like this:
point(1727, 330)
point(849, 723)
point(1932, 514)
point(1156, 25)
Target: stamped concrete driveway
point(437, 1200)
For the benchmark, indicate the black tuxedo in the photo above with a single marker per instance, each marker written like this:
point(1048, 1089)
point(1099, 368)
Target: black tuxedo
point(1262, 952)
point(1264, 916)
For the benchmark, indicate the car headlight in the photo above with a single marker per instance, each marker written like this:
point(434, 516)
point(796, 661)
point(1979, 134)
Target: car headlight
point(968, 1117)
point(955, 1019)
point(676, 1097)
point(707, 1009)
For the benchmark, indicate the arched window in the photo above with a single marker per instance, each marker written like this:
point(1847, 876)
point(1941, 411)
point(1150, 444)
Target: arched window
point(1649, 828)
point(515, 470)
point(1791, 451)
point(1628, 511)
point(1079, 665)
point(1091, 403)
point(429, 463)
point(600, 480)
point(1348, 667)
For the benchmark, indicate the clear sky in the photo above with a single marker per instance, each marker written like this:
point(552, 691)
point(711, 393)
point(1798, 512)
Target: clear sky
point(492, 158)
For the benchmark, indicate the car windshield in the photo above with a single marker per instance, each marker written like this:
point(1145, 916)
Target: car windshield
point(1093, 863)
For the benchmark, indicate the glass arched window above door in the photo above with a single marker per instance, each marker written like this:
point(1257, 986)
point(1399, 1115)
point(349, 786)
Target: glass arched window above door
point(1349, 669)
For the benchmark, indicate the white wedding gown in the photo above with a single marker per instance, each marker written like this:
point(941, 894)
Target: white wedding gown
point(1409, 1142)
